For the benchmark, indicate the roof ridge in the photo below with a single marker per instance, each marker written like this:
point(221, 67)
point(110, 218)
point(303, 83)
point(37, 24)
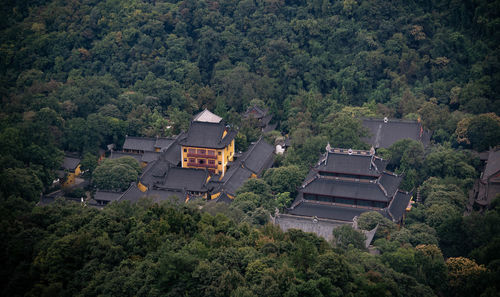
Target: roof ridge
point(228, 134)
point(233, 172)
point(347, 179)
point(210, 117)
point(391, 120)
point(148, 169)
point(109, 191)
point(372, 163)
point(297, 203)
point(209, 123)
point(307, 182)
point(247, 153)
point(382, 188)
point(388, 209)
point(341, 151)
point(140, 137)
point(132, 184)
point(170, 145)
point(390, 173)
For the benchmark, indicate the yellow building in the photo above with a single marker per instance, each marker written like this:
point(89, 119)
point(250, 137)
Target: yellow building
point(209, 144)
point(70, 169)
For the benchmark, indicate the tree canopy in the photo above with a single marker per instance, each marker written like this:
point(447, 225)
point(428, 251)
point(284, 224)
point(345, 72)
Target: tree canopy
point(80, 75)
point(116, 174)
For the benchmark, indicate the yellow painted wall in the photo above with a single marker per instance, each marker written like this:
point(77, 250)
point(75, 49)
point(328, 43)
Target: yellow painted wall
point(142, 187)
point(215, 195)
point(223, 155)
point(70, 179)
point(78, 170)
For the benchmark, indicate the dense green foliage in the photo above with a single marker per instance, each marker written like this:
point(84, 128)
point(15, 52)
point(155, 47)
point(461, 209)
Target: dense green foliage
point(151, 250)
point(78, 75)
point(100, 70)
point(116, 174)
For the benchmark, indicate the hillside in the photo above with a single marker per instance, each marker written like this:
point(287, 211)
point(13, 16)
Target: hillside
point(79, 75)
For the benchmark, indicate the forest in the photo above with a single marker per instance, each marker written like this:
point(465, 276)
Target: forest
point(77, 75)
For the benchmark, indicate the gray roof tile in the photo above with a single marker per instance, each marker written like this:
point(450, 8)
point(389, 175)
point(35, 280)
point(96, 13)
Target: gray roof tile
point(353, 164)
point(398, 206)
point(132, 194)
point(189, 179)
point(384, 134)
point(259, 156)
point(70, 163)
point(207, 116)
point(325, 211)
point(492, 164)
point(163, 142)
point(208, 135)
point(139, 144)
point(150, 156)
point(346, 189)
point(154, 173)
point(116, 155)
point(234, 178)
point(390, 182)
point(107, 195)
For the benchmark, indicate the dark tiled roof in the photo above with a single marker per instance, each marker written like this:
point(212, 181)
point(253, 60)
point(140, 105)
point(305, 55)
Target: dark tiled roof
point(269, 128)
point(492, 164)
point(154, 173)
point(209, 135)
point(189, 179)
point(265, 120)
point(483, 156)
point(60, 173)
point(390, 182)
point(255, 112)
point(132, 194)
point(353, 164)
point(262, 115)
point(346, 189)
point(174, 196)
point(223, 197)
point(234, 178)
point(397, 208)
point(163, 142)
point(214, 185)
point(70, 163)
point(139, 144)
point(172, 154)
point(107, 195)
point(259, 156)
point(326, 211)
point(384, 134)
point(116, 155)
point(150, 156)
